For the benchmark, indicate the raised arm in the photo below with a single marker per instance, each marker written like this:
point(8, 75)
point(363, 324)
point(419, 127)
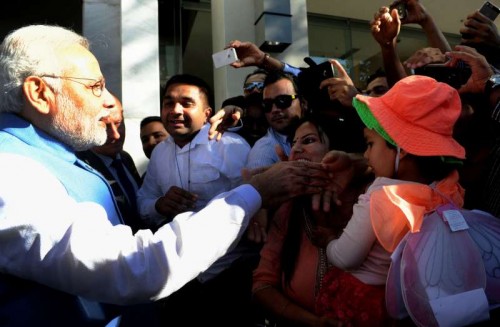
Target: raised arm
point(417, 14)
point(385, 28)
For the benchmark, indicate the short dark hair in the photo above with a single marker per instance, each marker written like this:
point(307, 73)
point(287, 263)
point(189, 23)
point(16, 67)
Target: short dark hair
point(275, 76)
point(378, 73)
point(238, 101)
point(189, 79)
point(150, 119)
point(256, 72)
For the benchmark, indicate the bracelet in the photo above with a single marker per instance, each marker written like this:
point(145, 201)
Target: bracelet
point(266, 64)
point(264, 61)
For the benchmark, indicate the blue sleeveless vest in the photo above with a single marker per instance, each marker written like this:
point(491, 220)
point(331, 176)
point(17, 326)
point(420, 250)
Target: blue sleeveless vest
point(26, 303)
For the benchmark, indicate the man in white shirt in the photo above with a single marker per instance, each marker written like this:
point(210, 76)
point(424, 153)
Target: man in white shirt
point(62, 242)
point(187, 169)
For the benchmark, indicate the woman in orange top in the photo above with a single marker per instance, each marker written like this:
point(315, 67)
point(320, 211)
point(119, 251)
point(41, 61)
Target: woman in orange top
point(291, 268)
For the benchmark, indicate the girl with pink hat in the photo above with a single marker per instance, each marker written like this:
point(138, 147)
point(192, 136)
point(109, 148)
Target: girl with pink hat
point(412, 153)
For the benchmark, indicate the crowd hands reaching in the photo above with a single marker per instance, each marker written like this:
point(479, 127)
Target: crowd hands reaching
point(346, 166)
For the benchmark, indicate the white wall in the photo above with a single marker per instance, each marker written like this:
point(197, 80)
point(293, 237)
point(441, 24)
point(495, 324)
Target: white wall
point(124, 36)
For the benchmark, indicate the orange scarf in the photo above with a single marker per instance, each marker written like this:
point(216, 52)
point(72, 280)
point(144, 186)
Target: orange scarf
point(397, 209)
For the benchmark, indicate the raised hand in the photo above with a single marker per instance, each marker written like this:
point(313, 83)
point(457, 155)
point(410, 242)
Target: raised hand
point(480, 68)
point(340, 87)
point(480, 30)
point(248, 54)
point(385, 26)
point(425, 56)
point(225, 118)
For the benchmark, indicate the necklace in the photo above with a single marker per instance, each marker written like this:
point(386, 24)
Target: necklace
point(323, 264)
point(188, 188)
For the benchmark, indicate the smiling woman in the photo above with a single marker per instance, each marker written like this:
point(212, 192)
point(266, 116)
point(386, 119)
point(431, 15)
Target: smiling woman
point(291, 267)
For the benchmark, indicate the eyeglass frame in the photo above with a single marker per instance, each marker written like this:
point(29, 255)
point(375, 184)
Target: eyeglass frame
point(97, 88)
point(267, 104)
point(252, 85)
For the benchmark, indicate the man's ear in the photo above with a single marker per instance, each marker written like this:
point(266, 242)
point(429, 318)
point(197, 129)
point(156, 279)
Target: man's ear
point(208, 112)
point(38, 94)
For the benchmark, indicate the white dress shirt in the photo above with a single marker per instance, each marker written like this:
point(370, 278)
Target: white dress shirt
point(203, 167)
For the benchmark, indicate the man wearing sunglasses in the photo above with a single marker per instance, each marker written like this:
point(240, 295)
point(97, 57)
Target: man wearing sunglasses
point(282, 106)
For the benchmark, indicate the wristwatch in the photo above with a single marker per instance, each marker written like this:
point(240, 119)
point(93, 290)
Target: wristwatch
point(492, 83)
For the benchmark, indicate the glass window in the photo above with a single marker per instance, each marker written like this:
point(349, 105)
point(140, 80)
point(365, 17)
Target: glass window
point(351, 41)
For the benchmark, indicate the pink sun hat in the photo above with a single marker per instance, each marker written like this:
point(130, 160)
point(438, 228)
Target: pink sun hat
point(418, 114)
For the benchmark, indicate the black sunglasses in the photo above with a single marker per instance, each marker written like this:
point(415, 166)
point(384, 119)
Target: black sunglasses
point(283, 101)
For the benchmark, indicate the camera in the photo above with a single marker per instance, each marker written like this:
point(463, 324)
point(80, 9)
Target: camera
point(454, 76)
point(401, 7)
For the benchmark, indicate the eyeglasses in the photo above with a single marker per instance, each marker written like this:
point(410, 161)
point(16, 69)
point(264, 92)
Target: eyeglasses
point(97, 88)
point(283, 101)
point(254, 85)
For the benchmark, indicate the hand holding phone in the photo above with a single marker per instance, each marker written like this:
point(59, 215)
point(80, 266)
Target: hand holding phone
point(490, 10)
point(224, 57)
point(401, 8)
point(454, 76)
point(310, 78)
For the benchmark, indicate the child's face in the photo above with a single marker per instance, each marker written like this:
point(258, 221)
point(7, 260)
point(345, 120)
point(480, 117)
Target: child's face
point(380, 156)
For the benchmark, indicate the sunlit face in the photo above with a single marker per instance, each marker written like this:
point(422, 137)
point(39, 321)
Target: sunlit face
point(115, 129)
point(184, 112)
point(77, 117)
point(152, 134)
point(307, 144)
point(281, 119)
point(380, 156)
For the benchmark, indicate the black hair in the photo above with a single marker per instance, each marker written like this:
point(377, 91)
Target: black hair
point(149, 119)
point(378, 73)
point(255, 72)
point(313, 119)
point(296, 223)
point(273, 77)
point(433, 168)
point(436, 168)
point(189, 79)
point(238, 101)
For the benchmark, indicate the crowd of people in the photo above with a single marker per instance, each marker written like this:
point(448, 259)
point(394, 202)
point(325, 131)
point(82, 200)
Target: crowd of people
point(276, 210)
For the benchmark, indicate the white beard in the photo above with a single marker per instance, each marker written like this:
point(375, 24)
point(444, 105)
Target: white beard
point(73, 125)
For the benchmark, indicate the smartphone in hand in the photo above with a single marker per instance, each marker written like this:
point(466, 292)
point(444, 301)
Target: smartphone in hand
point(453, 76)
point(401, 8)
point(309, 80)
point(490, 10)
point(224, 57)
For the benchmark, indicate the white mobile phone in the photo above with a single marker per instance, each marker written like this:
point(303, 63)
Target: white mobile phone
point(224, 57)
